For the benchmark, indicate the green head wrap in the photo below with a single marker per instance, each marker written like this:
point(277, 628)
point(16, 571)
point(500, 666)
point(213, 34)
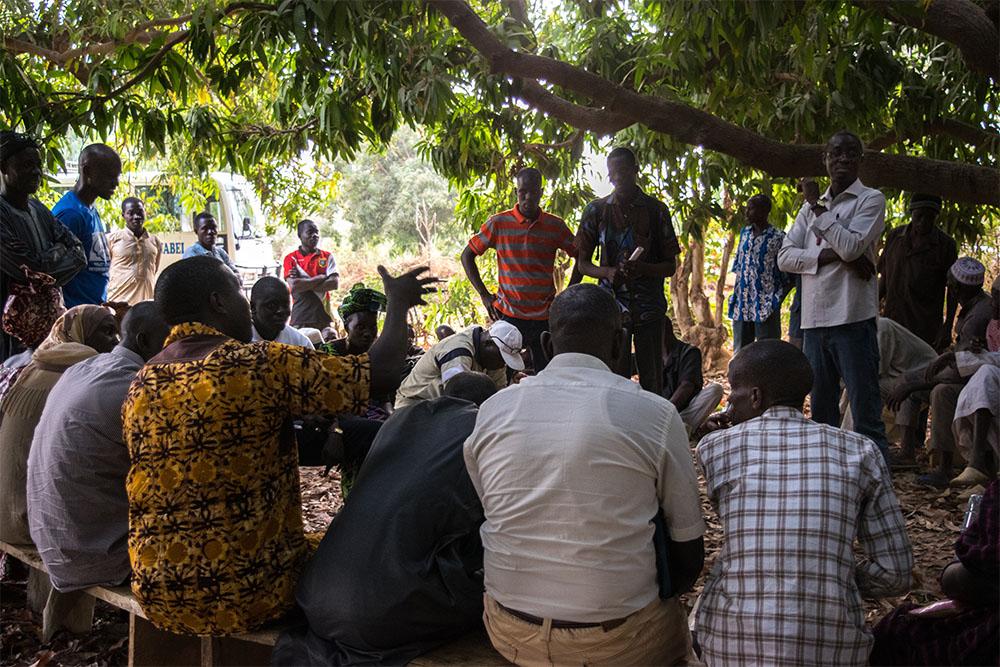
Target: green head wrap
point(361, 299)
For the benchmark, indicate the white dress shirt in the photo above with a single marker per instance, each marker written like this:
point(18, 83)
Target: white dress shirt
point(289, 336)
point(572, 466)
point(833, 295)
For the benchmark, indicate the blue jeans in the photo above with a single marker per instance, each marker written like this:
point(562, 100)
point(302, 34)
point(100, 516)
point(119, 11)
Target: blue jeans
point(746, 332)
point(848, 352)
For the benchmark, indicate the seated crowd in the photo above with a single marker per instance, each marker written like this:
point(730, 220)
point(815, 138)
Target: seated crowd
point(513, 476)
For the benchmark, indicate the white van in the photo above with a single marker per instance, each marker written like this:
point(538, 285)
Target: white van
point(236, 208)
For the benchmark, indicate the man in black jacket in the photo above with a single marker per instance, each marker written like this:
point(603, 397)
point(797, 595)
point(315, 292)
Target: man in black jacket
point(399, 571)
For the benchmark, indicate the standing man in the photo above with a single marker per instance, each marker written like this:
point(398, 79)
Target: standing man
point(573, 466)
point(311, 274)
point(755, 305)
point(526, 239)
point(794, 498)
point(207, 230)
point(100, 168)
point(832, 245)
point(135, 256)
point(619, 224)
point(30, 238)
point(914, 270)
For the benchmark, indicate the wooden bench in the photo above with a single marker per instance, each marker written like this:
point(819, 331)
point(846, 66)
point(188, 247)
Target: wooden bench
point(150, 646)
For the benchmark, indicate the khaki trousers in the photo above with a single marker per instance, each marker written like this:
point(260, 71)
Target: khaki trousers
point(655, 635)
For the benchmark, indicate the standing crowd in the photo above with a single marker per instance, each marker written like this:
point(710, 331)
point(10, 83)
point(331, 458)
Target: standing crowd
point(152, 425)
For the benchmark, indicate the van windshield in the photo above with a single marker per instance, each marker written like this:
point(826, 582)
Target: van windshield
point(244, 212)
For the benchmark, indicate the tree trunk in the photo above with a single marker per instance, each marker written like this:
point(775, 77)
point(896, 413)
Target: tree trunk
point(687, 295)
point(699, 301)
point(679, 288)
point(720, 284)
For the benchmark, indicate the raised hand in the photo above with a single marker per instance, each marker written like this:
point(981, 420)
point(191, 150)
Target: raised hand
point(409, 288)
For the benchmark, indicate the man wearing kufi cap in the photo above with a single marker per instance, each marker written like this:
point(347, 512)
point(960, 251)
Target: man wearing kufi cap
point(30, 237)
point(913, 271)
point(940, 384)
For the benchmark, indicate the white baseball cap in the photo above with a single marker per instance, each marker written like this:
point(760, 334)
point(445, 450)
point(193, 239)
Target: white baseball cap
point(509, 341)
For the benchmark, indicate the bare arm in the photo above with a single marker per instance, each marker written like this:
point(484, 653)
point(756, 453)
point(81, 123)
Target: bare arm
point(388, 352)
point(682, 396)
point(472, 273)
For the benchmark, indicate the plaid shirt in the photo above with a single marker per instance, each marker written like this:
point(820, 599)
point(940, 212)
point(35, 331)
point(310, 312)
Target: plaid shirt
point(786, 588)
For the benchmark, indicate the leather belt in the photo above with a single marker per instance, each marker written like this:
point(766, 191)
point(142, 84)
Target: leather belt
point(607, 626)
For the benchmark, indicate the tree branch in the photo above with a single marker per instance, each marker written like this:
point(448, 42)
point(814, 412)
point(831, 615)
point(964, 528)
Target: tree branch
point(964, 182)
point(964, 132)
point(962, 23)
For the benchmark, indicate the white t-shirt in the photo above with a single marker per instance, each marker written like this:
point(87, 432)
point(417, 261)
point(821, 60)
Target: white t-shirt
point(289, 336)
point(571, 466)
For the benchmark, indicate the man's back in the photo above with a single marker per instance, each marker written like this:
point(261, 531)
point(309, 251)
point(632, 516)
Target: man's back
point(396, 572)
point(793, 496)
point(77, 505)
point(447, 358)
point(572, 466)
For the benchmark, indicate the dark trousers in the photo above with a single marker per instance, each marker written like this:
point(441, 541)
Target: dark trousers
point(847, 352)
point(531, 334)
point(648, 339)
point(745, 332)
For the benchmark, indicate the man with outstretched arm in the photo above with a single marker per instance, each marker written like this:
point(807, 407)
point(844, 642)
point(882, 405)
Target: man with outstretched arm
point(216, 538)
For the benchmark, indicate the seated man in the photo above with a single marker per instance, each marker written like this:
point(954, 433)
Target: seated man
point(270, 307)
point(939, 386)
point(794, 496)
point(682, 380)
point(900, 352)
point(77, 506)
point(385, 596)
point(215, 518)
point(573, 466)
point(965, 628)
point(488, 351)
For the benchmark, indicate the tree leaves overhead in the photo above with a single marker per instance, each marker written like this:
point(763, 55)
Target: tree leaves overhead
point(250, 85)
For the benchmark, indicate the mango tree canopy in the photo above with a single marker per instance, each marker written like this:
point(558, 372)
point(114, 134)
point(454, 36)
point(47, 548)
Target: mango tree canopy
point(495, 85)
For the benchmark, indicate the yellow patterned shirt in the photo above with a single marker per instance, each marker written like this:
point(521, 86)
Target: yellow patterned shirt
point(215, 517)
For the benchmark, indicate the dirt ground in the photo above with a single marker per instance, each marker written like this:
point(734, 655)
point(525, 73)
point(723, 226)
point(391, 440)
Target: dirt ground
point(933, 520)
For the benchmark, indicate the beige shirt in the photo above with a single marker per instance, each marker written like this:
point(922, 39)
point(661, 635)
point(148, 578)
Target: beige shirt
point(449, 357)
point(134, 263)
point(571, 466)
point(833, 295)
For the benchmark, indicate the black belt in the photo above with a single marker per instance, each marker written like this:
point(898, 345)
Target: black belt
point(607, 626)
